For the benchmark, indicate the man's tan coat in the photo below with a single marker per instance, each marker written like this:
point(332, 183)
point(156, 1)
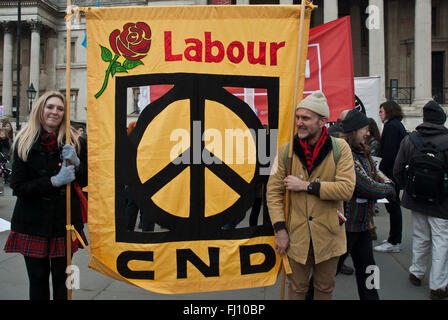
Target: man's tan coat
point(314, 218)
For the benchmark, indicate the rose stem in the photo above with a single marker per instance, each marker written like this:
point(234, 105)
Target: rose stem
point(106, 79)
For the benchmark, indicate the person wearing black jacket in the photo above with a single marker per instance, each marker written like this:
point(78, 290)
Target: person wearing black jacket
point(39, 177)
point(393, 132)
point(4, 142)
point(430, 220)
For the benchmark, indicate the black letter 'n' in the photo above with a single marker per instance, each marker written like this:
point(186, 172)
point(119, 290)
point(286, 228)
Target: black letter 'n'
point(184, 255)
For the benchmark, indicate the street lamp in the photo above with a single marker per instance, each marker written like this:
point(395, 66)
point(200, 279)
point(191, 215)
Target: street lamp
point(31, 92)
point(19, 27)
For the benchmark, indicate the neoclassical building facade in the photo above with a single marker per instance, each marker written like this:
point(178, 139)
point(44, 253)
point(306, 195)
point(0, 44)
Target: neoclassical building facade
point(405, 42)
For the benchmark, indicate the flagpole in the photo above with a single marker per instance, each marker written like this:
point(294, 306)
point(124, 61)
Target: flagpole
point(67, 141)
point(293, 116)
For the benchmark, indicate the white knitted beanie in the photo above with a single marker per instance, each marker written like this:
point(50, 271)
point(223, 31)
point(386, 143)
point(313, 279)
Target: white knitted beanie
point(317, 103)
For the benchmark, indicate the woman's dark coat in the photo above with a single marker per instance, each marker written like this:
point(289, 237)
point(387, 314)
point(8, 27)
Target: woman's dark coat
point(40, 209)
point(393, 133)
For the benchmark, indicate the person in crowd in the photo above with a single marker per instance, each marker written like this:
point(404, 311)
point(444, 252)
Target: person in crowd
point(260, 200)
point(132, 209)
point(430, 220)
point(393, 133)
point(4, 142)
point(374, 142)
point(6, 124)
point(335, 130)
point(312, 238)
point(371, 184)
point(80, 131)
point(40, 173)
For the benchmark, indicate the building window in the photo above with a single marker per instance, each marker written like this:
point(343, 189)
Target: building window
point(434, 21)
point(42, 54)
point(72, 51)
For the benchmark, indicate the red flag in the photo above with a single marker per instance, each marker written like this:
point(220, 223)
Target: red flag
point(330, 65)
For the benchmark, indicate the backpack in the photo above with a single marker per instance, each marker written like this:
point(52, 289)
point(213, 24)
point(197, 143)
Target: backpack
point(426, 171)
point(336, 152)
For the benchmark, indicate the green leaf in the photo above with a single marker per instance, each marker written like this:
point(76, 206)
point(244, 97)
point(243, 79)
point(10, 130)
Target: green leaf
point(116, 67)
point(131, 64)
point(121, 69)
point(106, 55)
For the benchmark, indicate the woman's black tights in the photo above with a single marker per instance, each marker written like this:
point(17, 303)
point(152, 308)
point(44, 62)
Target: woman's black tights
point(39, 270)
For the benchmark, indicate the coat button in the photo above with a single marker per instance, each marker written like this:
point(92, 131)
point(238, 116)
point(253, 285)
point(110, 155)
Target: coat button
point(310, 218)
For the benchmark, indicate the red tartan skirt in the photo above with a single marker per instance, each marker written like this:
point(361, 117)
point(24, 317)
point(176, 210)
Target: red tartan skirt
point(40, 247)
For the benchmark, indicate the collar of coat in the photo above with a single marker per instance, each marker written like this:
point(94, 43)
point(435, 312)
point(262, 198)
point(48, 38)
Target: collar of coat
point(431, 129)
point(324, 151)
point(362, 160)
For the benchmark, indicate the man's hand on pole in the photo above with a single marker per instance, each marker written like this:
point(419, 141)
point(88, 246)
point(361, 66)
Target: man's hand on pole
point(281, 241)
point(295, 184)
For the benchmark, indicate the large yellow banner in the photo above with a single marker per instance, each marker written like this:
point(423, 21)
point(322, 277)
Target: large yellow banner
point(217, 87)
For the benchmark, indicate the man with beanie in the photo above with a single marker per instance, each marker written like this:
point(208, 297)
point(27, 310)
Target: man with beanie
point(322, 177)
point(371, 184)
point(430, 220)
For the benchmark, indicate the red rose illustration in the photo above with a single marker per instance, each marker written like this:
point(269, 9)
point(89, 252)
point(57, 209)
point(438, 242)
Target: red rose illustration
point(133, 42)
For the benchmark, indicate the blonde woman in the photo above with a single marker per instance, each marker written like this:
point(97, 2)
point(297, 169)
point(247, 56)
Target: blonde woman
point(39, 177)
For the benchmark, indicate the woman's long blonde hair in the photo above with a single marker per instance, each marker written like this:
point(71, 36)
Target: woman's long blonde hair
point(31, 131)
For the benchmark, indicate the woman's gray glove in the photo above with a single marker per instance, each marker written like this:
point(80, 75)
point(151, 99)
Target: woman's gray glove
point(65, 175)
point(69, 153)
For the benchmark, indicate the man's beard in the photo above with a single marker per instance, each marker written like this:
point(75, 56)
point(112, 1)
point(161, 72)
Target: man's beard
point(303, 135)
point(308, 135)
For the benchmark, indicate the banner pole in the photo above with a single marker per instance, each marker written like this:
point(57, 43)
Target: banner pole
point(291, 136)
point(67, 141)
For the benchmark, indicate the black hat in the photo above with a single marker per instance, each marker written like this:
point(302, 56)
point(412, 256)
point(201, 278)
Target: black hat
point(354, 120)
point(434, 113)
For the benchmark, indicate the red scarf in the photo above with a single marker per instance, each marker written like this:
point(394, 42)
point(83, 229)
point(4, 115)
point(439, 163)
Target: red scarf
point(311, 154)
point(49, 140)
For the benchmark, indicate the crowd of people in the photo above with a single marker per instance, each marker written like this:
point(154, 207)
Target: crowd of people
point(333, 198)
point(334, 185)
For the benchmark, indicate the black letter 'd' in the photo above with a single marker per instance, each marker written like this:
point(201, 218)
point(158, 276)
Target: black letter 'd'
point(246, 251)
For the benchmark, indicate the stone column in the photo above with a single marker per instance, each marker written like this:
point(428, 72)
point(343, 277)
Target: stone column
point(7, 68)
point(242, 2)
point(330, 10)
point(422, 53)
point(36, 27)
point(50, 64)
point(377, 59)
